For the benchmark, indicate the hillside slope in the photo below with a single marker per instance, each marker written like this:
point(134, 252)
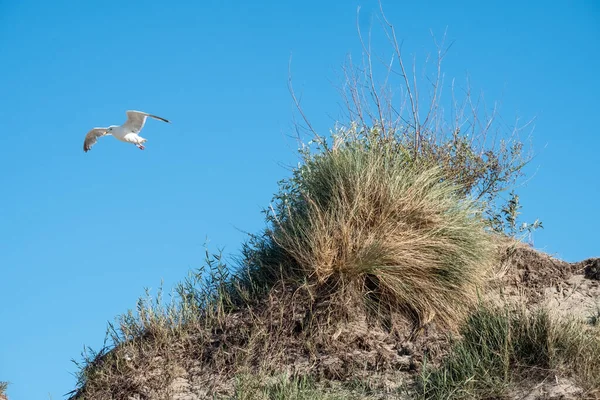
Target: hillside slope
point(344, 351)
point(380, 275)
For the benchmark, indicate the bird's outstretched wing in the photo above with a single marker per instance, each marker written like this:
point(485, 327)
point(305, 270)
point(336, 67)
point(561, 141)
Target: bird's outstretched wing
point(136, 120)
point(92, 136)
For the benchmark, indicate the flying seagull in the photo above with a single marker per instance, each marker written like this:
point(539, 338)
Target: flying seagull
point(128, 132)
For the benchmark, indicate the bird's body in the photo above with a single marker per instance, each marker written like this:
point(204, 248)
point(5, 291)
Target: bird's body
point(128, 132)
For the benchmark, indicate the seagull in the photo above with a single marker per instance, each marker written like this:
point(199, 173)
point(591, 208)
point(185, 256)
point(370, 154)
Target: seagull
point(128, 132)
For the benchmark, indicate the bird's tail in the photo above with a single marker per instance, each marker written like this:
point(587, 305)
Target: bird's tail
point(135, 139)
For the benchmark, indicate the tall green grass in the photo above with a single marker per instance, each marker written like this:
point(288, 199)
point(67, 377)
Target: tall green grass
point(500, 348)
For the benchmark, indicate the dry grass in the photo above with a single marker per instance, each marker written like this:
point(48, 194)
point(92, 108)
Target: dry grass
point(293, 329)
point(364, 213)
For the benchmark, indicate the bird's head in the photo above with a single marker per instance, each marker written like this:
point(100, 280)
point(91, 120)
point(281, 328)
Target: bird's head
point(110, 128)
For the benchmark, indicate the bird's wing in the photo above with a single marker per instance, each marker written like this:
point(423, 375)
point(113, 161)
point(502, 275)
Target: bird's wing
point(92, 136)
point(136, 120)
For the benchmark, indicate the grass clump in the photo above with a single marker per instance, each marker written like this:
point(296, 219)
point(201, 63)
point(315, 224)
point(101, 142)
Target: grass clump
point(364, 213)
point(502, 349)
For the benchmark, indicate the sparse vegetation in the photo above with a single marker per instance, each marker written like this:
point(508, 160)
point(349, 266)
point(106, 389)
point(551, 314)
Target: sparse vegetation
point(387, 101)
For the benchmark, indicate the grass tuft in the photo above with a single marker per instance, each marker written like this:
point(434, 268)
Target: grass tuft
point(364, 213)
point(501, 349)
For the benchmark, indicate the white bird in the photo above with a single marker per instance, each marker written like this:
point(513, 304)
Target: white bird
point(128, 132)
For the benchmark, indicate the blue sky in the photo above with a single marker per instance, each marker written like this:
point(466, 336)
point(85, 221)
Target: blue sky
point(81, 235)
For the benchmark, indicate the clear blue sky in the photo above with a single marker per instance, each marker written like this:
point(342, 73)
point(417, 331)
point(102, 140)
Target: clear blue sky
point(81, 235)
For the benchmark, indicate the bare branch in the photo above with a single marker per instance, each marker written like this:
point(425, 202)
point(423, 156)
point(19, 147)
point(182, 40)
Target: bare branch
point(369, 70)
point(391, 35)
point(297, 102)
